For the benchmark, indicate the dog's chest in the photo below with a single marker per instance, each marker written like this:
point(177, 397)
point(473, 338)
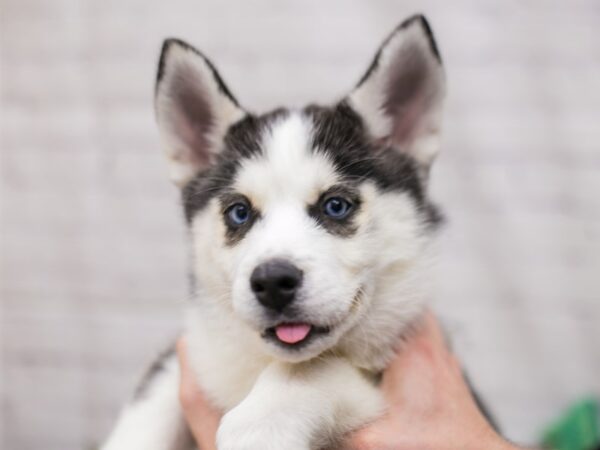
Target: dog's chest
point(226, 360)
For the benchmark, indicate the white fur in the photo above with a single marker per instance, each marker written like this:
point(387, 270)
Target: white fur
point(298, 407)
point(160, 410)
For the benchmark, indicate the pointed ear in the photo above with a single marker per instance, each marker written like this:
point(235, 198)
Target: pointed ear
point(400, 97)
point(194, 109)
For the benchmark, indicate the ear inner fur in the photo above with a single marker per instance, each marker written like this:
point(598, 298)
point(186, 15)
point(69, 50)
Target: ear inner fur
point(401, 95)
point(194, 108)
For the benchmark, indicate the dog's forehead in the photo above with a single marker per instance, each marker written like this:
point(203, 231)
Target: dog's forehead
point(288, 168)
point(296, 155)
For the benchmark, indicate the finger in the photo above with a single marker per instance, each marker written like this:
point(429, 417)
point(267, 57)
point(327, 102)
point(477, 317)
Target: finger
point(380, 435)
point(432, 332)
point(188, 394)
point(191, 396)
point(181, 348)
point(202, 418)
point(362, 439)
point(422, 357)
point(426, 338)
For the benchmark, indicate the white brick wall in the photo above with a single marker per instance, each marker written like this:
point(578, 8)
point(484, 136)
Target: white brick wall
point(92, 246)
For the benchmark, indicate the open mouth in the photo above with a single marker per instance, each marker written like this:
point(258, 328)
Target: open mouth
point(294, 335)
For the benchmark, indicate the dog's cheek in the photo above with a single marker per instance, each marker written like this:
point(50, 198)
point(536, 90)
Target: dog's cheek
point(339, 268)
point(397, 230)
point(389, 240)
point(329, 285)
point(212, 259)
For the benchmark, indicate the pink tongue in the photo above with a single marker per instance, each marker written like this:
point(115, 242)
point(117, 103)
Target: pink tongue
point(290, 333)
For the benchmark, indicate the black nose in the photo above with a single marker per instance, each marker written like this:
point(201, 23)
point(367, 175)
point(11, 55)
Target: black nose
point(275, 283)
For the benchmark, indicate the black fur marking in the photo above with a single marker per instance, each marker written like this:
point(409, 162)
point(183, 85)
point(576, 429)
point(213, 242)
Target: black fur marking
point(206, 185)
point(434, 217)
point(155, 369)
point(340, 133)
point(340, 227)
point(242, 141)
point(428, 32)
point(168, 44)
point(405, 24)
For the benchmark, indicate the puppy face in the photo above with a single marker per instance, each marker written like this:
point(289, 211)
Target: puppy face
point(296, 215)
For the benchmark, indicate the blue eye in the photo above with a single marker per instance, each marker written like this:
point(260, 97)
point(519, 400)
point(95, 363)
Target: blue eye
point(238, 214)
point(337, 207)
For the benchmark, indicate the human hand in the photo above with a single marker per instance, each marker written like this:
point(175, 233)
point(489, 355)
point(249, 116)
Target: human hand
point(430, 406)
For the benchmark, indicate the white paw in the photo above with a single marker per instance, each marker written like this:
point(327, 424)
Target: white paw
point(242, 429)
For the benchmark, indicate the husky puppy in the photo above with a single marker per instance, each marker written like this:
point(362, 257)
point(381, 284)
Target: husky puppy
point(310, 232)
